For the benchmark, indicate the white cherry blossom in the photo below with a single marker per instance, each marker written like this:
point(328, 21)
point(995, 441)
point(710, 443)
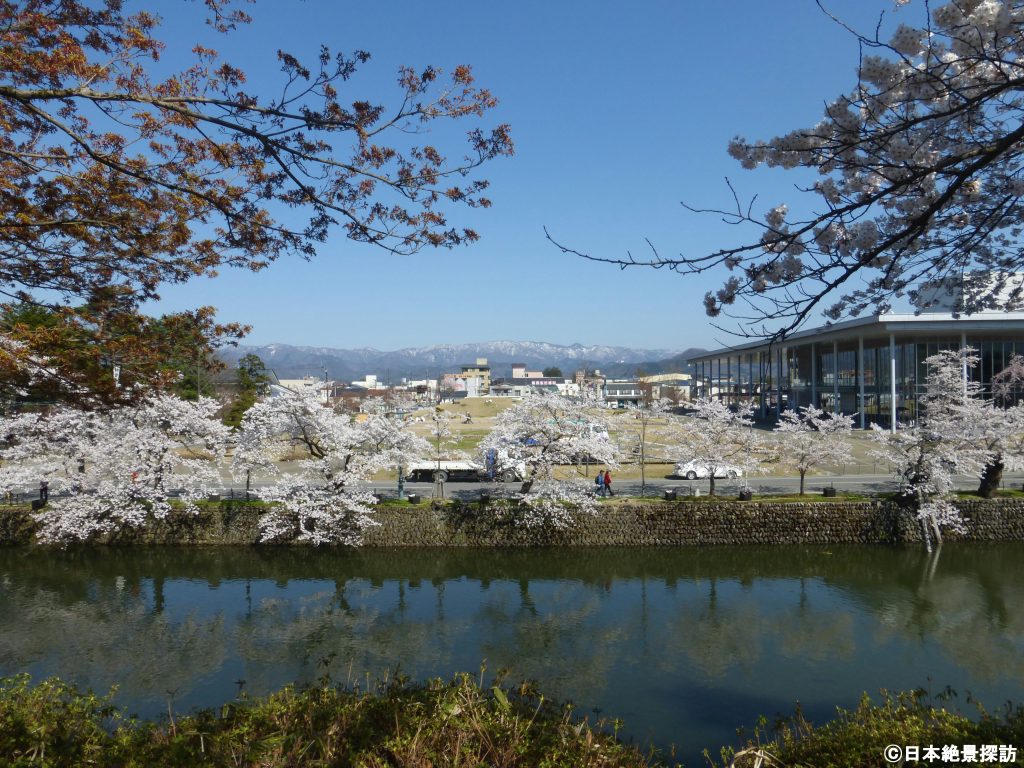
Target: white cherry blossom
point(542, 432)
point(811, 438)
point(109, 471)
point(324, 498)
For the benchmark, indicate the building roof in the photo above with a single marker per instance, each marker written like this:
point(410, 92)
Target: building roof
point(882, 325)
point(667, 378)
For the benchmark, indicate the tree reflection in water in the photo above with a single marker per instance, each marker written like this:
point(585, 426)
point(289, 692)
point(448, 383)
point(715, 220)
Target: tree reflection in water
point(685, 644)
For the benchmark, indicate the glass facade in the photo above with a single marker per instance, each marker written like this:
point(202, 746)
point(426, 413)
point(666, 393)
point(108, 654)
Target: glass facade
point(849, 376)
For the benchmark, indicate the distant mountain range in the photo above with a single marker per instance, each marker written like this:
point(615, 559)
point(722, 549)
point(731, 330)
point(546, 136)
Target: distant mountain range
point(293, 362)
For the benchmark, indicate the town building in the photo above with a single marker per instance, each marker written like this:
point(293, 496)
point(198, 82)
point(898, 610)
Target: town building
point(668, 386)
point(621, 393)
point(521, 387)
point(369, 381)
point(525, 382)
point(589, 383)
point(305, 384)
point(519, 372)
point(475, 378)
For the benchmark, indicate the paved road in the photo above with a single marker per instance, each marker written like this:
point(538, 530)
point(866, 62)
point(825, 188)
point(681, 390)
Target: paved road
point(857, 483)
point(866, 484)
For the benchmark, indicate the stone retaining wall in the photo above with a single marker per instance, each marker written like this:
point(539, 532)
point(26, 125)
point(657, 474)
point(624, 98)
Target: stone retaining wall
point(650, 523)
point(658, 523)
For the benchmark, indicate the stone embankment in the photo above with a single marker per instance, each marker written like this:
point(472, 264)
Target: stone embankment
point(638, 523)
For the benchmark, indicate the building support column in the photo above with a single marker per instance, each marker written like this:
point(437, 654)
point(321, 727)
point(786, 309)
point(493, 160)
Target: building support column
point(860, 378)
point(963, 363)
point(741, 383)
point(814, 374)
point(749, 386)
point(763, 381)
point(728, 377)
point(892, 382)
point(778, 383)
point(835, 378)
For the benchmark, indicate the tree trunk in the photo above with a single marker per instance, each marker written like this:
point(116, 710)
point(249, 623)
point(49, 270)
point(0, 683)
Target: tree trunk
point(936, 531)
point(711, 477)
point(802, 473)
point(643, 474)
point(926, 535)
point(991, 476)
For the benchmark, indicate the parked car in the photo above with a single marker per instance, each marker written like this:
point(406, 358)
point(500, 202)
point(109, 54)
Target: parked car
point(695, 469)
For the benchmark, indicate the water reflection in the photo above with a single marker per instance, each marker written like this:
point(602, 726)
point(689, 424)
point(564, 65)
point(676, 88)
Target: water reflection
point(684, 644)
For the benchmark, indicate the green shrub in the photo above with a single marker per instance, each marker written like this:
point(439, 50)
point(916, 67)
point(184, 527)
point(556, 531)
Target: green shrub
point(399, 724)
point(857, 738)
point(460, 722)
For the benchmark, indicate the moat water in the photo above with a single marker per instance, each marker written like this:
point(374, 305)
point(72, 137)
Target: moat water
point(684, 645)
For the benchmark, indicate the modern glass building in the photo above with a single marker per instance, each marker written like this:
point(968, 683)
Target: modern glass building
point(873, 367)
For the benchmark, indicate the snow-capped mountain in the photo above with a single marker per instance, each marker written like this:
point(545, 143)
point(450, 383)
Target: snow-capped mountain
point(289, 361)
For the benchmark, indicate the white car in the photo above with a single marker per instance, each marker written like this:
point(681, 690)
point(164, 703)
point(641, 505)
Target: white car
point(697, 470)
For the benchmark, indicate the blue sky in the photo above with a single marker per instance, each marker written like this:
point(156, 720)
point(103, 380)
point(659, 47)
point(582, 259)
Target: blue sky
point(619, 111)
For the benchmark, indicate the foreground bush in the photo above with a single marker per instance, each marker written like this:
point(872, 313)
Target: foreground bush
point(857, 738)
point(458, 723)
point(401, 724)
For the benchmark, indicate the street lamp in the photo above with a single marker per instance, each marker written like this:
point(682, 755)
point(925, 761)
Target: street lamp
point(400, 414)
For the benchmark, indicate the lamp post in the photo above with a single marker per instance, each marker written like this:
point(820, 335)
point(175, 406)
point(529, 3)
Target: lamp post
point(400, 415)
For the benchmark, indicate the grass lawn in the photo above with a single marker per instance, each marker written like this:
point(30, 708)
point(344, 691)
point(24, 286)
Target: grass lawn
point(1005, 493)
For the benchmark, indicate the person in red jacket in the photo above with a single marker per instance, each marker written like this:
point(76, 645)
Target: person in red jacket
point(608, 483)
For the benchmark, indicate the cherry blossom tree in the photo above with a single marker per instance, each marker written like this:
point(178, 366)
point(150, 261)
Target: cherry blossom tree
point(921, 179)
point(1003, 436)
point(387, 429)
point(444, 442)
point(813, 438)
point(326, 500)
point(1008, 383)
point(541, 433)
point(115, 470)
point(720, 437)
point(647, 431)
point(945, 441)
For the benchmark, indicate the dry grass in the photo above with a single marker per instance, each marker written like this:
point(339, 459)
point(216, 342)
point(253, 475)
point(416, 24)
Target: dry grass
point(622, 426)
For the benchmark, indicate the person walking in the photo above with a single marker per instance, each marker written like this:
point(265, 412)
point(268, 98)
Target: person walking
point(608, 483)
point(599, 482)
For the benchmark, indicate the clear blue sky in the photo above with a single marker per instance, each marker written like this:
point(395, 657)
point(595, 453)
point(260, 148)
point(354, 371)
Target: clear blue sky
point(619, 111)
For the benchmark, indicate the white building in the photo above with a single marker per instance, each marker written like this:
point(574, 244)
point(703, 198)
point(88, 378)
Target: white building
point(873, 367)
point(306, 384)
point(367, 382)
